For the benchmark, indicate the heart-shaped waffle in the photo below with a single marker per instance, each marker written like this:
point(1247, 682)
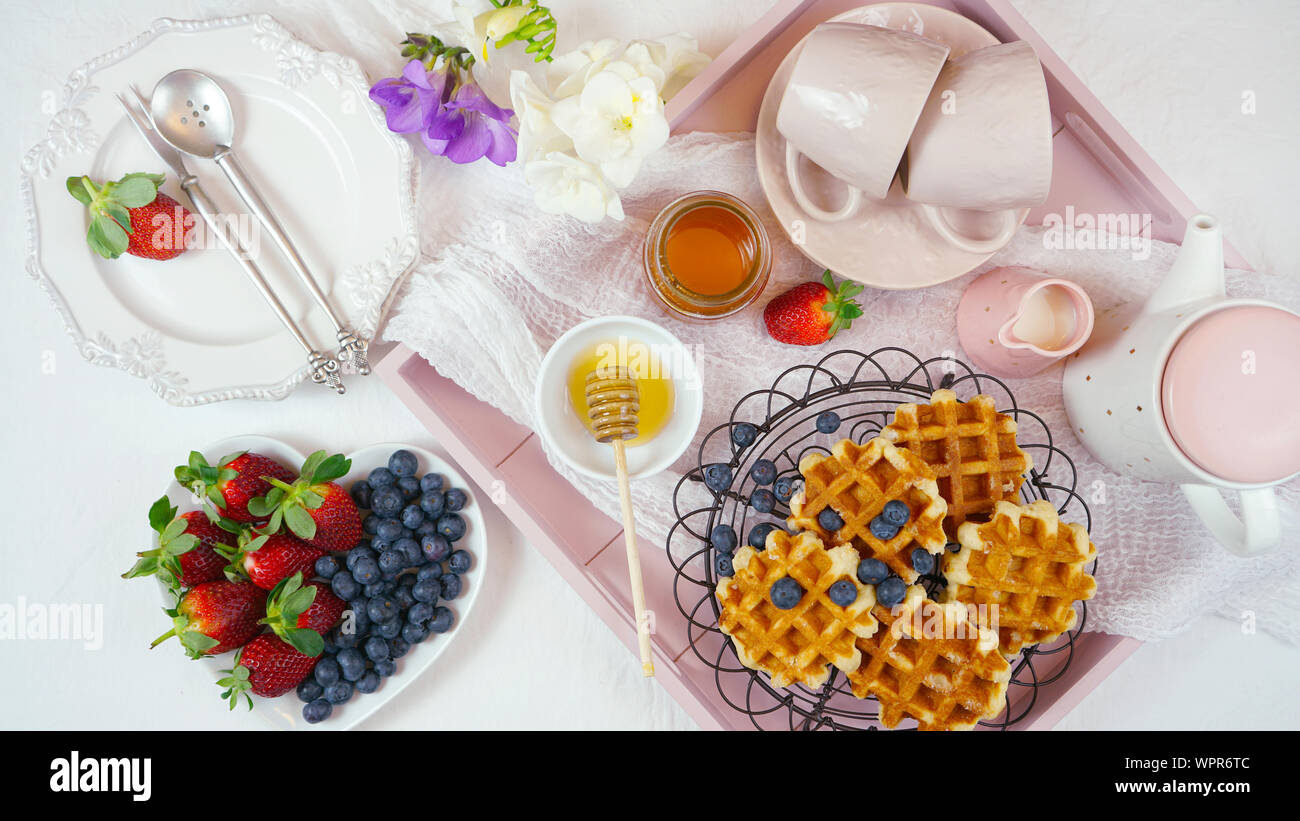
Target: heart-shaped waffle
point(970, 447)
point(931, 662)
point(1029, 564)
point(856, 481)
point(798, 644)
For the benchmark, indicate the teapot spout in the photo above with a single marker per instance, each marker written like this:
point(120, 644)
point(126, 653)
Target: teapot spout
point(1197, 272)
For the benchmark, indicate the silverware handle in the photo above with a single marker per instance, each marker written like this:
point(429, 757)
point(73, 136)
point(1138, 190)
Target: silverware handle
point(248, 193)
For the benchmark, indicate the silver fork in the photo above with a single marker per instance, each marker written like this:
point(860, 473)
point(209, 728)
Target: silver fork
point(324, 369)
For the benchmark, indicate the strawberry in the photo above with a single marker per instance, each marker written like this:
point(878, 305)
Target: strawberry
point(190, 547)
point(300, 613)
point(235, 480)
point(267, 667)
point(216, 617)
point(316, 509)
point(811, 313)
point(266, 560)
point(132, 216)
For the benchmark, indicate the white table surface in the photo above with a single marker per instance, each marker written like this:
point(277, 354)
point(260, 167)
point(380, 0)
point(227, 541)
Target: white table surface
point(85, 449)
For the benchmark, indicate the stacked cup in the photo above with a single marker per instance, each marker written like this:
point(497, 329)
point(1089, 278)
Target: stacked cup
point(967, 135)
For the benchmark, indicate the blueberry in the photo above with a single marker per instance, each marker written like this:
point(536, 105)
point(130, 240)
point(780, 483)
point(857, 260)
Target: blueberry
point(451, 585)
point(872, 571)
point(376, 648)
point(784, 488)
point(390, 530)
point(723, 538)
point(421, 612)
point(431, 482)
point(414, 633)
point(762, 500)
point(381, 609)
point(433, 503)
point(828, 422)
point(891, 592)
point(376, 588)
point(391, 561)
point(382, 477)
point(785, 593)
point(356, 554)
point(326, 567)
point(403, 463)
point(829, 520)
point(758, 535)
point(460, 562)
point(843, 593)
point(427, 592)
point(344, 640)
point(763, 472)
point(338, 692)
point(328, 647)
point(387, 501)
point(370, 524)
point(722, 565)
point(360, 620)
point(896, 513)
point(717, 477)
point(366, 571)
point(389, 629)
point(344, 586)
point(406, 581)
point(427, 528)
point(402, 595)
point(435, 548)
point(361, 494)
point(412, 555)
point(378, 546)
point(317, 711)
point(443, 619)
point(412, 516)
point(368, 683)
point(327, 672)
point(310, 689)
point(432, 570)
point(398, 646)
point(451, 526)
point(455, 499)
point(922, 561)
point(744, 434)
point(385, 668)
point(351, 663)
point(882, 529)
point(410, 488)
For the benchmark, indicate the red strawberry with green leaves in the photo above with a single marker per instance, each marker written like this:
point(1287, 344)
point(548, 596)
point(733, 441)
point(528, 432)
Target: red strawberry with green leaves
point(132, 216)
point(300, 614)
point(268, 667)
point(315, 508)
point(812, 313)
point(190, 547)
point(233, 482)
point(216, 617)
point(266, 560)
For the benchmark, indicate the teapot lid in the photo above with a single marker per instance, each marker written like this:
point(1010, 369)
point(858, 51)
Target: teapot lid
point(1231, 394)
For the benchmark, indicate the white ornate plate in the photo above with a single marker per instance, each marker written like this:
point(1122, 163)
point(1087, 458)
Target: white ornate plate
point(194, 327)
point(888, 243)
point(197, 678)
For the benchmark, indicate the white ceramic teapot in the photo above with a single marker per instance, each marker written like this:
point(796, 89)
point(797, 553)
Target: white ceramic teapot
point(1197, 389)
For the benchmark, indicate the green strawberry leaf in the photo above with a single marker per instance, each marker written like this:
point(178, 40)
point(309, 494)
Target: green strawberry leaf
point(106, 238)
point(161, 513)
point(299, 521)
point(297, 603)
point(78, 190)
point(135, 191)
point(332, 468)
point(144, 566)
point(181, 544)
point(305, 641)
point(311, 499)
point(230, 457)
point(174, 528)
point(313, 461)
point(197, 462)
point(121, 216)
point(260, 506)
point(196, 642)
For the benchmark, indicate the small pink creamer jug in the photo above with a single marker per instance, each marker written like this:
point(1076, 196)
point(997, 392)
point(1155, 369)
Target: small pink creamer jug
point(1197, 389)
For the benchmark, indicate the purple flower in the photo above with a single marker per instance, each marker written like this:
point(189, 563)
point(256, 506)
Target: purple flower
point(412, 100)
point(486, 128)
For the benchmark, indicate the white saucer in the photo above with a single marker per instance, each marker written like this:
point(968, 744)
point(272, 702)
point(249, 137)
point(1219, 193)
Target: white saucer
point(888, 243)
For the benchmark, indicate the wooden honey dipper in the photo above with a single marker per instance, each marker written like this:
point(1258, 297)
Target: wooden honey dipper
point(612, 404)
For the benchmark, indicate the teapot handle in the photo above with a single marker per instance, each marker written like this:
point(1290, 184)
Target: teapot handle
point(1258, 530)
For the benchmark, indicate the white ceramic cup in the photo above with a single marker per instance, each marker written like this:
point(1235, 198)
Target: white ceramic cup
point(983, 143)
point(854, 95)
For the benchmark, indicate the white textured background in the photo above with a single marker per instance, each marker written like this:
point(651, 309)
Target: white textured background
point(84, 450)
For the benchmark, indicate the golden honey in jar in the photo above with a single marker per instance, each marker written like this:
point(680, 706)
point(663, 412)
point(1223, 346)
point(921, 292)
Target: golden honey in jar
point(706, 256)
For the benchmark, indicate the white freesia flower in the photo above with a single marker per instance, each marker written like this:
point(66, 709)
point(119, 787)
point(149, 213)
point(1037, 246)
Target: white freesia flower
point(565, 184)
point(614, 122)
point(538, 133)
point(669, 61)
point(490, 25)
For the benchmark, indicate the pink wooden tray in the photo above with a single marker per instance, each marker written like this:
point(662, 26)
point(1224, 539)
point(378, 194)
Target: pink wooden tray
point(1098, 168)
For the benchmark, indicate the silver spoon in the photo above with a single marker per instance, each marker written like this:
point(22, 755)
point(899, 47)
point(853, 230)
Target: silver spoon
point(192, 112)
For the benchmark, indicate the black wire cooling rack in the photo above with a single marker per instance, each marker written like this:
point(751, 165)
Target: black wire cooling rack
point(864, 389)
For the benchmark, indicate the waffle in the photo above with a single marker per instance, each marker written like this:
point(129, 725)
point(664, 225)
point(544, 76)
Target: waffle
point(1029, 564)
point(796, 645)
point(969, 445)
point(948, 675)
point(856, 481)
